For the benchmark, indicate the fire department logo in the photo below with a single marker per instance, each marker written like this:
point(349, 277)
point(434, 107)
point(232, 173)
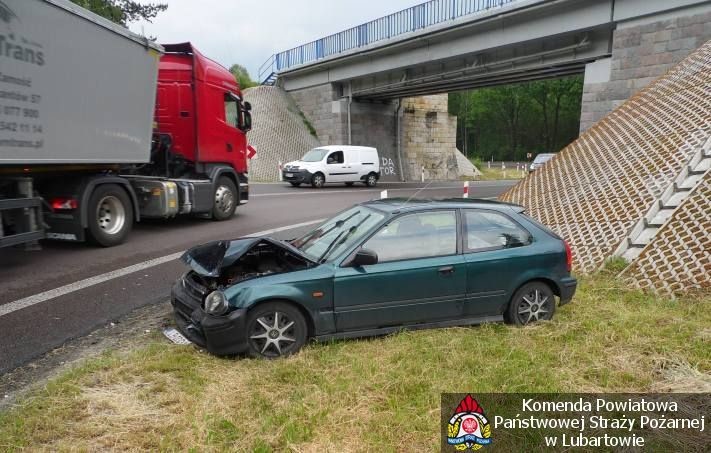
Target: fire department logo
point(468, 428)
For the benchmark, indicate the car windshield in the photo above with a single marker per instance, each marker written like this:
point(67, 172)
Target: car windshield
point(315, 155)
point(338, 234)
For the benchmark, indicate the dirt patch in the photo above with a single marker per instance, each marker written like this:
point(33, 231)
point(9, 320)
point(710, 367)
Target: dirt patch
point(124, 334)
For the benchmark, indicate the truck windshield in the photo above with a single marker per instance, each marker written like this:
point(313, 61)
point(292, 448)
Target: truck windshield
point(315, 155)
point(338, 234)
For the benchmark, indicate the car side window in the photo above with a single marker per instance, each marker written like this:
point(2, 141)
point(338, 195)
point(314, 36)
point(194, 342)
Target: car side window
point(420, 235)
point(335, 158)
point(486, 230)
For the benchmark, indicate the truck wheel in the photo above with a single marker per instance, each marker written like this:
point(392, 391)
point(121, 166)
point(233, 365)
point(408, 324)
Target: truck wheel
point(225, 199)
point(318, 180)
point(371, 180)
point(110, 215)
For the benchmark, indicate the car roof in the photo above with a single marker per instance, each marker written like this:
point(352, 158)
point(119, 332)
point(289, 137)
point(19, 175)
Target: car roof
point(345, 147)
point(397, 205)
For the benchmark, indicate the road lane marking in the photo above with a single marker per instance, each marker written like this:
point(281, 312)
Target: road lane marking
point(326, 192)
point(29, 301)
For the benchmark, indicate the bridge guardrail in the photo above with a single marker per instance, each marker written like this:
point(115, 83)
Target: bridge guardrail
point(408, 20)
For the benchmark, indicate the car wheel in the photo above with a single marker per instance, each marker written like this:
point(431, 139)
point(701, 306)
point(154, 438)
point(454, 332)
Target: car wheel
point(371, 180)
point(532, 302)
point(295, 184)
point(349, 184)
point(226, 198)
point(318, 180)
point(110, 215)
point(275, 329)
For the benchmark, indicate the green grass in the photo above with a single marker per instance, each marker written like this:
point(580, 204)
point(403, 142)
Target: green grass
point(377, 394)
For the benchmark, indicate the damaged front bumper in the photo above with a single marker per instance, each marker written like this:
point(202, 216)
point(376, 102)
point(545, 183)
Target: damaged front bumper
point(221, 335)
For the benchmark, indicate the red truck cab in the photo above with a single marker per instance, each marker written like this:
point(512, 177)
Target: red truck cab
point(199, 105)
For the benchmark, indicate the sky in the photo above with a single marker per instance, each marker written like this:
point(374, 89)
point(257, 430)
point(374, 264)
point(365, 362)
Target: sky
point(249, 32)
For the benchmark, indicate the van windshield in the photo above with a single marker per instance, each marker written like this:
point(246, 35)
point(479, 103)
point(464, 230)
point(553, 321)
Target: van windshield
point(315, 155)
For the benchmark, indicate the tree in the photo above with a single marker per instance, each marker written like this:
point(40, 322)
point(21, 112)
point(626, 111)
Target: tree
point(242, 76)
point(506, 122)
point(123, 11)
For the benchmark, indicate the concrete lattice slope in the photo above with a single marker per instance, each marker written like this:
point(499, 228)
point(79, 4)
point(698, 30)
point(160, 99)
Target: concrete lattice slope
point(279, 132)
point(679, 256)
point(603, 184)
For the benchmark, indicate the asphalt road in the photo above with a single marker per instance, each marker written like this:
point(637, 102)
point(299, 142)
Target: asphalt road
point(66, 292)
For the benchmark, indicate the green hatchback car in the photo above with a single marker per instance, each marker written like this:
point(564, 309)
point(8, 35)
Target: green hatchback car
point(373, 269)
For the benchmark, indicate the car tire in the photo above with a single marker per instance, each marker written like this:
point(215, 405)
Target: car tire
point(318, 180)
point(371, 180)
point(295, 184)
point(275, 329)
point(533, 302)
point(226, 199)
point(349, 184)
point(110, 215)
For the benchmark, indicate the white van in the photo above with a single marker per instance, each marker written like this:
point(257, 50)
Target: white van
point(335, 164)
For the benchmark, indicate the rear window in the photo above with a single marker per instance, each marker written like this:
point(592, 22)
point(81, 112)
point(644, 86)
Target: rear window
point(541, 226)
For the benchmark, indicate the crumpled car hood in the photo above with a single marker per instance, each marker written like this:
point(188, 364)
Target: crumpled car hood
point(211, 258)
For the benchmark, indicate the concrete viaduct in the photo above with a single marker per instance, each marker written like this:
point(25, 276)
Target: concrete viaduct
point(384, 83)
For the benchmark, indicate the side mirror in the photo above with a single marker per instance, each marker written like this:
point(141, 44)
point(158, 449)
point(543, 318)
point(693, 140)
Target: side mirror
point(247, 106)
point(247, 122)
point(365, 257)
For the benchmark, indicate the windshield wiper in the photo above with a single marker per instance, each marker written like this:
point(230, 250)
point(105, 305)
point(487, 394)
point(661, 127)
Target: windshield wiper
point(320, 233)
point(351, 230)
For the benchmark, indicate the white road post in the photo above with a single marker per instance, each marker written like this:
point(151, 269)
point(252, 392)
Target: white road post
point(281, 176)
point(423, 173)
point(503, 169)
point(383, 194)
point(465, 193)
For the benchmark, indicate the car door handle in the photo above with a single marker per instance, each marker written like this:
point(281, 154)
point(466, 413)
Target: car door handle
point(229, 147)
point(446, 270)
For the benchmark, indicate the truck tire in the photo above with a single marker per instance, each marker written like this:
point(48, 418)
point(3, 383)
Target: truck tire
point(226, 199)
point(110, 215)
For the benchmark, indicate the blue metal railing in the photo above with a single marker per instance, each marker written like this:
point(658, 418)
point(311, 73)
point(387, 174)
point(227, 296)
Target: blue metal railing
point(408, 20)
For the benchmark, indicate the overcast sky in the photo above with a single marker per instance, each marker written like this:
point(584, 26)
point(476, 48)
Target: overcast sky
point(249, 32)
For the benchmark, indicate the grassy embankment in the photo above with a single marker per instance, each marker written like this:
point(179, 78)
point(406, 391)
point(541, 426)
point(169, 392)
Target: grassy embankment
point(378, 394)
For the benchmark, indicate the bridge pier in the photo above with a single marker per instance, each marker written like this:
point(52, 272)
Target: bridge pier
point(425, 132)
point(642, 50)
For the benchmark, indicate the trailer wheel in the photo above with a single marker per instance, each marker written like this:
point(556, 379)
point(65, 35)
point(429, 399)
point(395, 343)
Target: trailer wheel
point(110, 215)
point(226, 199)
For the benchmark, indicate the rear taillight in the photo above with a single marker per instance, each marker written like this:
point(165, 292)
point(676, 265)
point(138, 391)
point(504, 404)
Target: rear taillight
point(64, 204)
point(568, 257)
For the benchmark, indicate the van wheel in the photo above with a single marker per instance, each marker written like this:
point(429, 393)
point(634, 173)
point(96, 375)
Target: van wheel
point(371, 180)
point(349, 184)
point(318, 180)
point(110, 215)
point(225, 199)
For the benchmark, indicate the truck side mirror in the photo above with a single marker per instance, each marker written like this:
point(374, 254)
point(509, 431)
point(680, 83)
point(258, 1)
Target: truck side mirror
point(247, 126)
point(248, 106)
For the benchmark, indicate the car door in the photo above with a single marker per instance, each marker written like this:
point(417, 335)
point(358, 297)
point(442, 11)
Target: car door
point(419, 277)
point(336, 167)
point(353, 164)
point(495, 251)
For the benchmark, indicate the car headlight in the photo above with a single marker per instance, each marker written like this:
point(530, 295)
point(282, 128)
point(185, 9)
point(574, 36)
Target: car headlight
point(216, 303)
